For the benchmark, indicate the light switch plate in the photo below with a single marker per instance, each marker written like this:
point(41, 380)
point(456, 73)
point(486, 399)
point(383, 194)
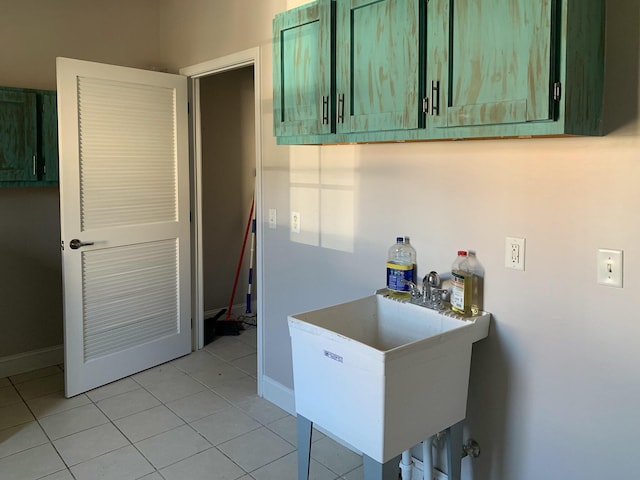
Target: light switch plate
point(609, 267)
point(273, 218)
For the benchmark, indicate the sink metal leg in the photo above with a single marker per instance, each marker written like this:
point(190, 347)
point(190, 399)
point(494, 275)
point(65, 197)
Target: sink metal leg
point(304, 426)
point(381, 471)
point(454, 451)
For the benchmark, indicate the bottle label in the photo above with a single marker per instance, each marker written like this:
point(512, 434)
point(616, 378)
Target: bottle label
point(457, 292)
point(396, 273)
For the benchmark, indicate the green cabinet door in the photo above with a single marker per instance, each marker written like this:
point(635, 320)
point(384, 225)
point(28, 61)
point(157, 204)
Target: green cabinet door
point(302, 70)
point(377, 65)
point(18, 136)
point(49, 136)
point(490, 62)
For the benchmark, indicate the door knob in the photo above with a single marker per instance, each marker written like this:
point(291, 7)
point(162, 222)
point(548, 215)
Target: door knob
point(76, 244)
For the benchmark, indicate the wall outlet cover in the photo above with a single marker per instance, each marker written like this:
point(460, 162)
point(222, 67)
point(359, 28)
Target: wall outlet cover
point(295, 222)
point(514, 253)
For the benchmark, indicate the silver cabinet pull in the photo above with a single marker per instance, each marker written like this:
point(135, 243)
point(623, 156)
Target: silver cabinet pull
point(76, 244)
point(435, 97)
point(325, 110)
point(34, 165)
point(341, 108)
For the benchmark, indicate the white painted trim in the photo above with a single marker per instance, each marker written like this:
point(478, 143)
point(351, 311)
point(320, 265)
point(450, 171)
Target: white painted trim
point(234, 61)
point(196, 220)
point(33, 360)
point(279, 395)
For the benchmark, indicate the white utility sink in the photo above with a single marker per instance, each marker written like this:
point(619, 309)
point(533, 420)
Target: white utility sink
point(380, 374)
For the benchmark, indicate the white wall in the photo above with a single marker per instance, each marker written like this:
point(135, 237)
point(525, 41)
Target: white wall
point(32, 34)
point(555, 388)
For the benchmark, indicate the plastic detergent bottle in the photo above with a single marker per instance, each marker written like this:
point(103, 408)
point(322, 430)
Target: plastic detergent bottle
point(461, 284)
point(477, 283)
point(467, 288)
point(401, 265)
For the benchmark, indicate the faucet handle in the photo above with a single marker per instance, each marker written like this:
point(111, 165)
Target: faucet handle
point(414, 289)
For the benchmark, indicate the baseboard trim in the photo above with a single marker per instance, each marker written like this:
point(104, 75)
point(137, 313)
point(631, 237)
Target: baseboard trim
point(278, 394)
point(32, 360)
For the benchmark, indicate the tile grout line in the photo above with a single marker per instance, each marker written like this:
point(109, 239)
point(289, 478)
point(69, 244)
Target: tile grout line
point(246, 400)
point(37, 420)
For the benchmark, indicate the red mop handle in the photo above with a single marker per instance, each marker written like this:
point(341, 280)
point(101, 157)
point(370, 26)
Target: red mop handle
point(244, 244)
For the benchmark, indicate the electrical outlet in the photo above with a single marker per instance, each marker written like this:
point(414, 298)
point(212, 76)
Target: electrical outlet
point(610, 267)
point(514, 253)
point(273, 218)
point(295, 222)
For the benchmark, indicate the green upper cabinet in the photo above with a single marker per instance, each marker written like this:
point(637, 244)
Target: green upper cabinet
point(514, 68)
point(490, 62)
point(411, 70)
point(49, 136)
point(303, 70)
point(18, 136)
point(28, 137)
point(377, 65)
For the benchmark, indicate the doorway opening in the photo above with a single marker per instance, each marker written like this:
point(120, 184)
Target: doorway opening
point(226, 166)
point(227, 128)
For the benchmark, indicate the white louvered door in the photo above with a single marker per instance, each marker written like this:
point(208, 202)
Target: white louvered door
point(124, 205)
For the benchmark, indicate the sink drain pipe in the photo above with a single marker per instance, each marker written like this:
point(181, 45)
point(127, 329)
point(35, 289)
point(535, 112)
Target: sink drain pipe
point(427, 461)
point(406, 463)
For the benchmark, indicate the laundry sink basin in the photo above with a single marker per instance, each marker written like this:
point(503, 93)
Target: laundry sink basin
point(382, 374)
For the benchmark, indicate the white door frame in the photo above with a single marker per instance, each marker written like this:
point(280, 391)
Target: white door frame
point(234, 61)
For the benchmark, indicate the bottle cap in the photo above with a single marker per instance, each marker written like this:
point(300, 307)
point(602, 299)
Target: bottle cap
point(462, 252)
point(399, 239)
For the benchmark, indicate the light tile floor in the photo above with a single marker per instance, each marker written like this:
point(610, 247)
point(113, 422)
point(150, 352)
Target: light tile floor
point(197, 417)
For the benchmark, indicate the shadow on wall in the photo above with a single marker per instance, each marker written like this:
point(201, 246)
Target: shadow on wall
point(490, 389)
point(622, 64)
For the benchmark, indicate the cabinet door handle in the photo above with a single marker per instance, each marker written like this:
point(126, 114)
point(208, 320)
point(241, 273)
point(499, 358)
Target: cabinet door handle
point(325, 110)
point(341, 108)
point(435, 97)
point(35, 161)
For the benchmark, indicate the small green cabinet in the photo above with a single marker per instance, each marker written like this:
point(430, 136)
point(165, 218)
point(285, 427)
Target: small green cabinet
point(346, 66)
point(377, 65)
point(28, 137)
point(18, 136)
point(488, 76)
point(411, 70)
point(49, 136)
point(302, 70)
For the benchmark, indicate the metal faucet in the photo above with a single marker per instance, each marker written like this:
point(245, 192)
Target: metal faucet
point(432, 294)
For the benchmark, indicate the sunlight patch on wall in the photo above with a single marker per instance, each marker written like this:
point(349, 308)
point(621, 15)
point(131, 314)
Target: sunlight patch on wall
point(322, 191)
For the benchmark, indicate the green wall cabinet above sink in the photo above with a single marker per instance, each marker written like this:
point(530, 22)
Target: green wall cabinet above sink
point(377, 65)
point(303, 71)
point(28, 137)
point(409, 70)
